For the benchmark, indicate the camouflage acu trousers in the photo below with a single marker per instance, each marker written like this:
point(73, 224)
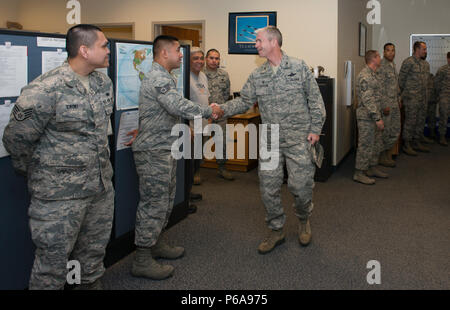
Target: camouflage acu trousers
point(222, 162)
point(301, 171)
point(421, 121)
point(76, 229)
point(444, 105)
point(157, 188)
point(370, 144)
point(431, 114)
point(415, 115)
point(392, 126)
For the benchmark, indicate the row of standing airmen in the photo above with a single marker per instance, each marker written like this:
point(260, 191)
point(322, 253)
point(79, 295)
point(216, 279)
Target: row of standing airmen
point(57, 137)
point(381, 93)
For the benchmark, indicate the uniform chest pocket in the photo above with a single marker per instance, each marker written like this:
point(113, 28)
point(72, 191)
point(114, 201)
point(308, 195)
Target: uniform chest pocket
point(416, 69)
point(262, 91)
point(71, 117)
point(290, 87)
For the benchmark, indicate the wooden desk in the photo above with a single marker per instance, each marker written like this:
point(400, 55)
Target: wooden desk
point(235, 164)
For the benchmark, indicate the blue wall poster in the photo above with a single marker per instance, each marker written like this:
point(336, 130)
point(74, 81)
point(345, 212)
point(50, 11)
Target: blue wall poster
point(242, 30)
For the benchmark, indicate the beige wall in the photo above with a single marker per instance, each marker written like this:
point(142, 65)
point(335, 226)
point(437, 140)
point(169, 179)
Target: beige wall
point(8, 12)
point(351, 13)
point(295, 19)
point(304, 36)
point(416, 17)
point(44, 15)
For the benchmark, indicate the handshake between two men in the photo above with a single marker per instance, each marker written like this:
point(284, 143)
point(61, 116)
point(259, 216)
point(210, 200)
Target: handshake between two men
point(217, 112)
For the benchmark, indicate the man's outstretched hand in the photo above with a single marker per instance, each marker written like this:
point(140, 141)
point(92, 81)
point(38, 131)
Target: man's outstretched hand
point(131, 133)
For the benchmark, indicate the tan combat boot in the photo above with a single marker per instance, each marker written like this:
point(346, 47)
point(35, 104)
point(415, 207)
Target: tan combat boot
point(273, 239)
point(224, 173)
point(443, 141)
point(304, 232)
point(384, 160)
point(197, 179)
point(389, 154)
point(417, 146)
point(145, 266)
point(361, 177)
point(427, 140)
point(163, 250)
point(408, 150)
point(375, 172)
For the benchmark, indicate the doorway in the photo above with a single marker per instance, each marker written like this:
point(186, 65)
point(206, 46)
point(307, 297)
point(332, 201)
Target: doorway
point(188, 32)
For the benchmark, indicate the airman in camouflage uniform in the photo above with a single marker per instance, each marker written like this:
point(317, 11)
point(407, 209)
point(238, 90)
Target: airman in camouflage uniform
point(413, 92)
point(432, 104)
point(369, 90)
point(161, 107)
point(219, 89)
point(390, 105)
point(442, 85)
point(429, 88)
point(57, 137)
point(288, 96)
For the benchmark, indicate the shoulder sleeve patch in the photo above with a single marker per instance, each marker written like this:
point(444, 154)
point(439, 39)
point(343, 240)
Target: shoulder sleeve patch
point(364, 85)
point(21, 114)
point(164, 89)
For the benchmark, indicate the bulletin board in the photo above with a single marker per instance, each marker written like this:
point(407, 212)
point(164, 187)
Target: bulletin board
point(17, 249)
point(438, 45)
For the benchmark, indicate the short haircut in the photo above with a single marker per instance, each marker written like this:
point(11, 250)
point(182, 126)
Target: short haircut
point(79, 35)
point(161, 42)
point(196, 49)
point(388, 44)
point(272, 33)
point(448, 55)
point(370, 55)
point(417, 45)
point(211, 51)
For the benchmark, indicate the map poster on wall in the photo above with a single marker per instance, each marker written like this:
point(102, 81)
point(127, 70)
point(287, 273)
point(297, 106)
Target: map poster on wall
point(179, 74)
point(133, 62)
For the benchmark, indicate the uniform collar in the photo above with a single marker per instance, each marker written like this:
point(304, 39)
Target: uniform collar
point(370, 69)
point(209, 72)
point(71, 79)
point(157, 67)
point(418, 60)
point(285, 63)
point(387, 62)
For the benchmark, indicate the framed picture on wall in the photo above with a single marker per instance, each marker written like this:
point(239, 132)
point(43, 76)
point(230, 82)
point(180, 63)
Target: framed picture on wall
point(242, 30)
point(362, 39)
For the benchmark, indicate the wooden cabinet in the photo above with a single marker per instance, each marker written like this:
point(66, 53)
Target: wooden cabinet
point(246, 163)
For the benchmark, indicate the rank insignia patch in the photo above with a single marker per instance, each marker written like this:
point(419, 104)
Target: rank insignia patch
point(21, 114)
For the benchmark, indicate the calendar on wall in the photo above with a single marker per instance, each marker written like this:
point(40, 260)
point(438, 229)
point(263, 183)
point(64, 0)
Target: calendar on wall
point(438, 46)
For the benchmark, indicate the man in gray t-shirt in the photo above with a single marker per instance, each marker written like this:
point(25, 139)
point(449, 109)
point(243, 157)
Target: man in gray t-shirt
point(199, 93)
